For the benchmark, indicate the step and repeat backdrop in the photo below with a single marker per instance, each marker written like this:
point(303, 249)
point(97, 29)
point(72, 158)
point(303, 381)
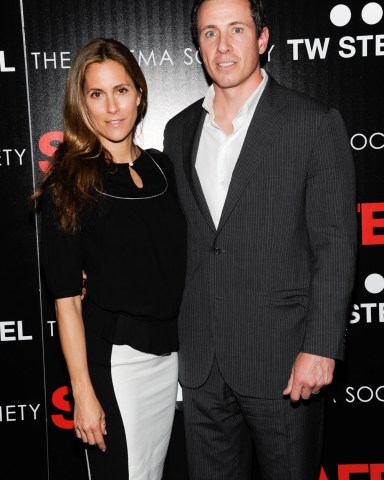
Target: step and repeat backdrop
point(333, 51)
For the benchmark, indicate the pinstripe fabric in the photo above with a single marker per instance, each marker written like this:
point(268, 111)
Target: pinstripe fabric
point(218, 442)
point(220, 426)
point(275, 278)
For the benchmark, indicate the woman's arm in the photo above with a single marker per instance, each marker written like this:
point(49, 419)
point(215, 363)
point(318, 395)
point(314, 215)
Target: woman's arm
point(89, 417)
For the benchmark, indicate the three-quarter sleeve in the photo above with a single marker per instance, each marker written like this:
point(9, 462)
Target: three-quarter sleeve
point(60, 254)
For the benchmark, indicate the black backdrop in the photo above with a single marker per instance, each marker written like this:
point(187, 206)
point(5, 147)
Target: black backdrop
point(329, 50)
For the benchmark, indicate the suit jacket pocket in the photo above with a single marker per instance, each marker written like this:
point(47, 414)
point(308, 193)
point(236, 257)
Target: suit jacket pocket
point(283, 298)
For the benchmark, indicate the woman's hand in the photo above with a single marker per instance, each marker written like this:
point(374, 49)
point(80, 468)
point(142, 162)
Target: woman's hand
point(89, 420)
point(84, 290)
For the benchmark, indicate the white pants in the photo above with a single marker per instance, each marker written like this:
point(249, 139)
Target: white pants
point(145, 386)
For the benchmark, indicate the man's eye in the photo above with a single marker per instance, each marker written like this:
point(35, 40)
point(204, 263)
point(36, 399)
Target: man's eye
point(237, 30)
point(210, 34)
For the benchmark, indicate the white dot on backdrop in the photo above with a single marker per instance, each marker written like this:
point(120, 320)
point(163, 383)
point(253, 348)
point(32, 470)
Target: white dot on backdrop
point(372, 13)
point(374, 283)
point(340, 15)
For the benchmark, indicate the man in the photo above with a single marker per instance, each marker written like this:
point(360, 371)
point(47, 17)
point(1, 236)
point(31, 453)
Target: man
point(266, 181)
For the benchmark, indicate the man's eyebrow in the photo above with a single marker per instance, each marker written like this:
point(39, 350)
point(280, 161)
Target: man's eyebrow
point(236, 22)
point(207, 27)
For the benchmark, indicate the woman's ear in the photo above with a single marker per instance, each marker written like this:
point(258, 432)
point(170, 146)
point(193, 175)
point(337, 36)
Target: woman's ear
point(139, 93)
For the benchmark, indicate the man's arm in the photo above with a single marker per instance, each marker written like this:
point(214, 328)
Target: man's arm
point(332, 230)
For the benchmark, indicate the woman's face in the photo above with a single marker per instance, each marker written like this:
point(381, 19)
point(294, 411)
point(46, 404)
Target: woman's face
point(111, 100)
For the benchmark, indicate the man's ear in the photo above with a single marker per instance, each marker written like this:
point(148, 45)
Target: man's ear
point(263, 40)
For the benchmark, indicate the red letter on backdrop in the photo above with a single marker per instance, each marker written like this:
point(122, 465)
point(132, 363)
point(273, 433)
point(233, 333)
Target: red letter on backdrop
point(345, 470)
point(376, 471)
point(323, 476)
point(46, 147)
point(59, 402)
point(368, 223)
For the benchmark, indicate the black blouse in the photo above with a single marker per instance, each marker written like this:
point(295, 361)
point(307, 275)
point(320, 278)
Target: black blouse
point(133, 250)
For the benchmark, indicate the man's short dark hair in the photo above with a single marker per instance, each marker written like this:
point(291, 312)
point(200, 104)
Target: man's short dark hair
point(257, 13)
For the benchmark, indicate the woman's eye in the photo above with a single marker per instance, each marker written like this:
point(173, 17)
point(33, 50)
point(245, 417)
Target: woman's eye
point(95, 94)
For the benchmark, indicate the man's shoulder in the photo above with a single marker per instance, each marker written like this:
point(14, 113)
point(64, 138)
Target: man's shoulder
point(303, 111)
point(299, 101)
point(186, 114)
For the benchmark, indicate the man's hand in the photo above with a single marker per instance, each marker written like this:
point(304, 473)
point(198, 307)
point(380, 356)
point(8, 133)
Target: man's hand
point(309, 374)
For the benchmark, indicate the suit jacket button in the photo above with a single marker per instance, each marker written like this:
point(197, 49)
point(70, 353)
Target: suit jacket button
point(216, 251)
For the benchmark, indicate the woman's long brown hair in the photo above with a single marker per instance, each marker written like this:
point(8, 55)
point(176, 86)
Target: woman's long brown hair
point(79, 162)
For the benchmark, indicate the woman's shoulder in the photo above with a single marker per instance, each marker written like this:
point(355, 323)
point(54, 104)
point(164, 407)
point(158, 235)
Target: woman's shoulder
point(165, 164)
point(157, 154)
point(161, 158)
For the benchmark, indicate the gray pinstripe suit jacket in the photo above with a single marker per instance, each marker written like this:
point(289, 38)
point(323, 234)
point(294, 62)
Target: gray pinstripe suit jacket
point(275, 277)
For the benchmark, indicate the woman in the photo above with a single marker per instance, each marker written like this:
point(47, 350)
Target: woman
point(110, 209)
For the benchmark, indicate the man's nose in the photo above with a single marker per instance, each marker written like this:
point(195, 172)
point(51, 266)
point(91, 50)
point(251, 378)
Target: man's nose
point(224, 44)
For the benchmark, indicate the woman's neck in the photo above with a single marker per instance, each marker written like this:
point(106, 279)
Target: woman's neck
point(123, 152)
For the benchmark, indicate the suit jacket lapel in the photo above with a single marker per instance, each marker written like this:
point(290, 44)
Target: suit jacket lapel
point(191, 139)
point(265, 125)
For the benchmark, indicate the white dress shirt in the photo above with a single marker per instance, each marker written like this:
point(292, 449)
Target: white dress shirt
point(218, 152)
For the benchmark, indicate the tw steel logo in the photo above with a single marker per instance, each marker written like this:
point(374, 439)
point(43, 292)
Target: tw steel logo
point(374, 283)
point(371, 14)
point(371, 313)
point(3, 67)
point(349, 46)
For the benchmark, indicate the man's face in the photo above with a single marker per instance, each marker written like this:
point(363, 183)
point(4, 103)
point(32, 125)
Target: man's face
point(229, 45)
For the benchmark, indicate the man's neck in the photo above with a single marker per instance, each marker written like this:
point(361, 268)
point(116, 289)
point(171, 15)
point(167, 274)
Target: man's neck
point(228, 102)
